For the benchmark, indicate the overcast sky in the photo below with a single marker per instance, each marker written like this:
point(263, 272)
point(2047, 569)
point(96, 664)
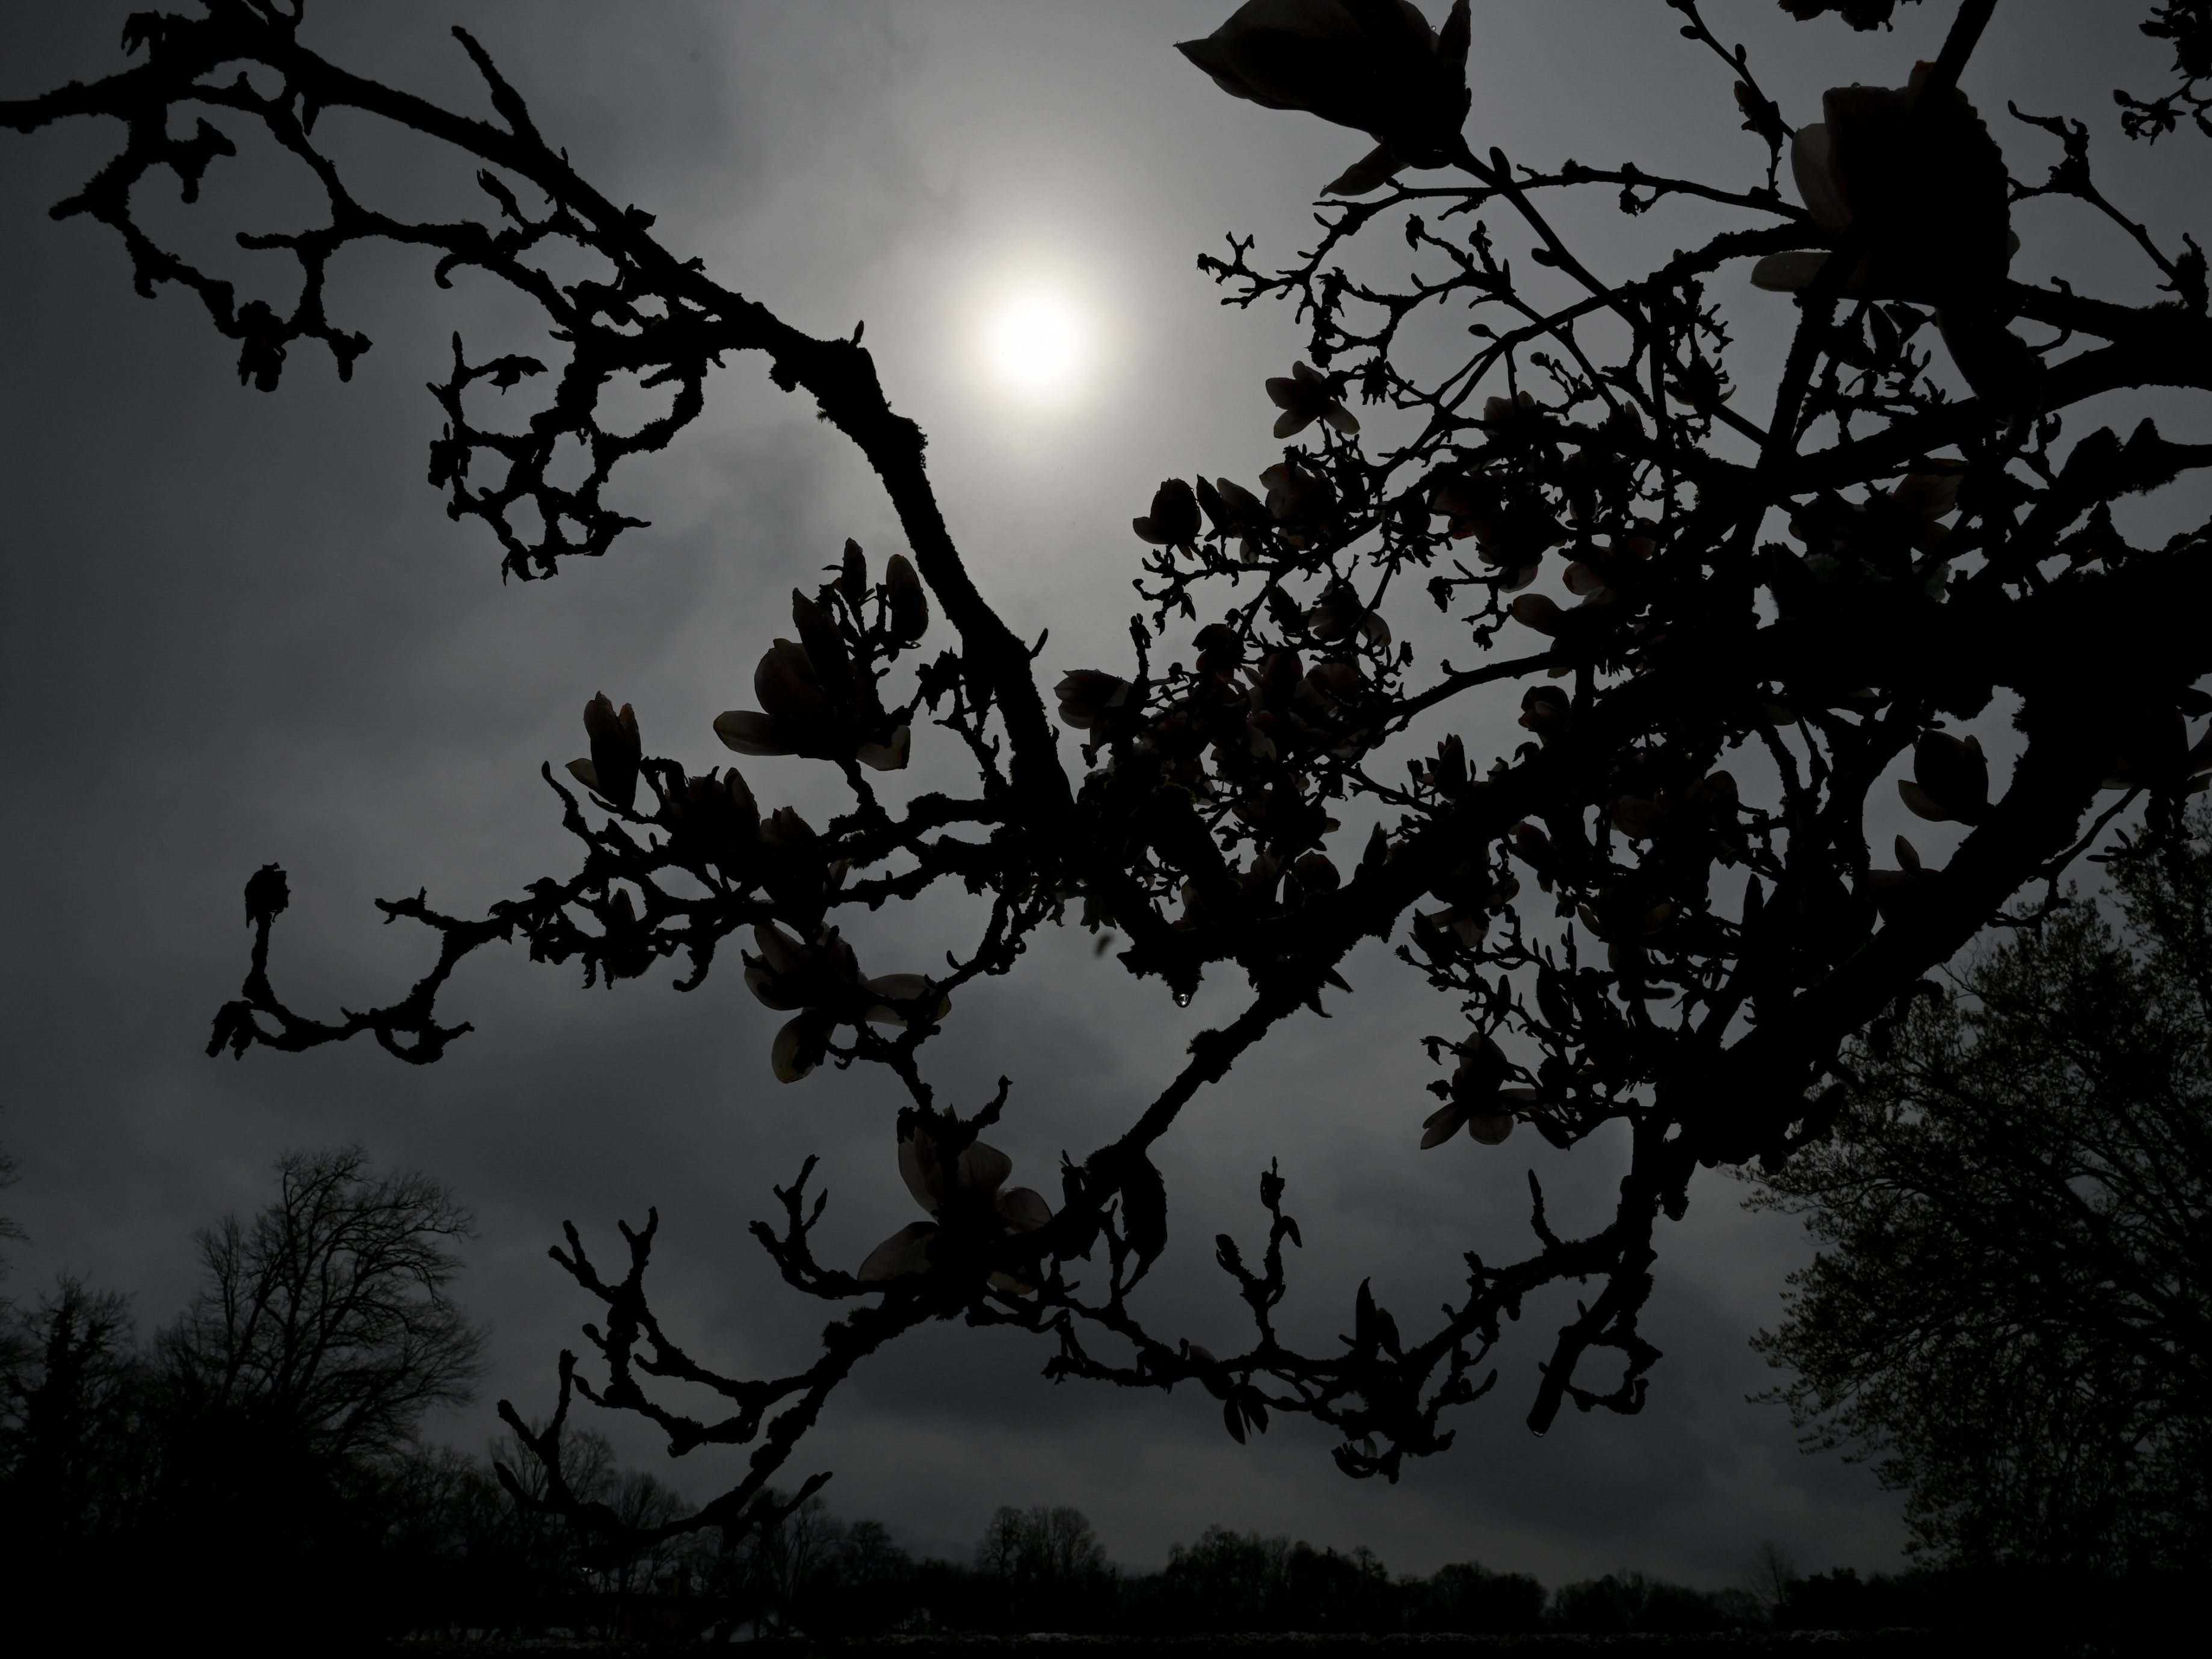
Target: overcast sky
point(242, 628)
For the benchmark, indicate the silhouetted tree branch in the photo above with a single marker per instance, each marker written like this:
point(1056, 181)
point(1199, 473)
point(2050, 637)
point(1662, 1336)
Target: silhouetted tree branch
point(1660, 910)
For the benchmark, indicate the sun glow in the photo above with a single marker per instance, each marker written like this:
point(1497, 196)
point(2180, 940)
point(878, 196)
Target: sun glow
point(1038, 346)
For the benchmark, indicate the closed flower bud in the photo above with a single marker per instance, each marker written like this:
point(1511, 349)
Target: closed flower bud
point(611, 771)
point(909, 606)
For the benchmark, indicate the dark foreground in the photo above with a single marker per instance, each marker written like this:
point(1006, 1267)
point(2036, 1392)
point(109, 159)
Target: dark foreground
point(1829, 1644)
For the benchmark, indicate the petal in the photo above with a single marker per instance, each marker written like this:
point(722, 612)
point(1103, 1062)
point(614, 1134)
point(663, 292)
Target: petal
point(797, 1048)
point(1535, 610)
point(1921, 804)
point(1787, 273)
point(1292, 422)
point(1341, 418)
point(782, 953)
point(887, 756)
point(1812, 166)
point(749, 731)
point(904, 1253)
point(1024, 1207)
point(1491, 1128)
point(765, 986)
point(902, 987)
point(1440, 1125)
point(919, 1167)
point(1283, 393)
point(983, 1168)
point(586, 774)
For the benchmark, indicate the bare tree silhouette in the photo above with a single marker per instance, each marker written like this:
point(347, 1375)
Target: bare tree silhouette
point(2009, 1315)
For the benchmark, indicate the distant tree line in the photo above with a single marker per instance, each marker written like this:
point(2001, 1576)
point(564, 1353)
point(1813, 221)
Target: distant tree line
point(259, 1467)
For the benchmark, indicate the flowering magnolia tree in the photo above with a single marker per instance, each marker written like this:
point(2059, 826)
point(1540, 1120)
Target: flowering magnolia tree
point(1726, 613)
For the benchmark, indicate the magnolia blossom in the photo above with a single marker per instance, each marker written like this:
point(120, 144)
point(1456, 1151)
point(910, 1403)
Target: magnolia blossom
point(1950, 780)
point(1512, 536)
point(1479, 1102)
point(822, 982)
point(1302, 500)
point(715, 817)
point(1339, 613)
point(1173, 521)
point(2153, 750)
point(1304, 397)
point(1090, 698)
point(798, 716)
point(1924, 192)
point(1374, 65)
point(1235, 511)
point(961, 1193)
point(611, 771)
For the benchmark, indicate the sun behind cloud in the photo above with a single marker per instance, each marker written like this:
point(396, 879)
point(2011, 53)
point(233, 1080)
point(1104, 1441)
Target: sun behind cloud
point(1038, 345)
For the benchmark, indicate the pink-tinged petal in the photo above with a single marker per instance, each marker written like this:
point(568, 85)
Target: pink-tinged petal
point(922, 1171)
point(749, 731)
point(902, 1255)
point(1440, 1125)
point(983, 1168)
point(1581, 578)
point(1812, 166)
point(1788, 273)
point(1024, 1207)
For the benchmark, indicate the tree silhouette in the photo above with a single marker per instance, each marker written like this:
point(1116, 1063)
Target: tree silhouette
point(324, 1320)
point(1659, 912)
point(2009, 1311)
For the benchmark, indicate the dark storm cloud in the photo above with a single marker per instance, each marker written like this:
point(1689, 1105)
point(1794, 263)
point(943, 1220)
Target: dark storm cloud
point(243, 629)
